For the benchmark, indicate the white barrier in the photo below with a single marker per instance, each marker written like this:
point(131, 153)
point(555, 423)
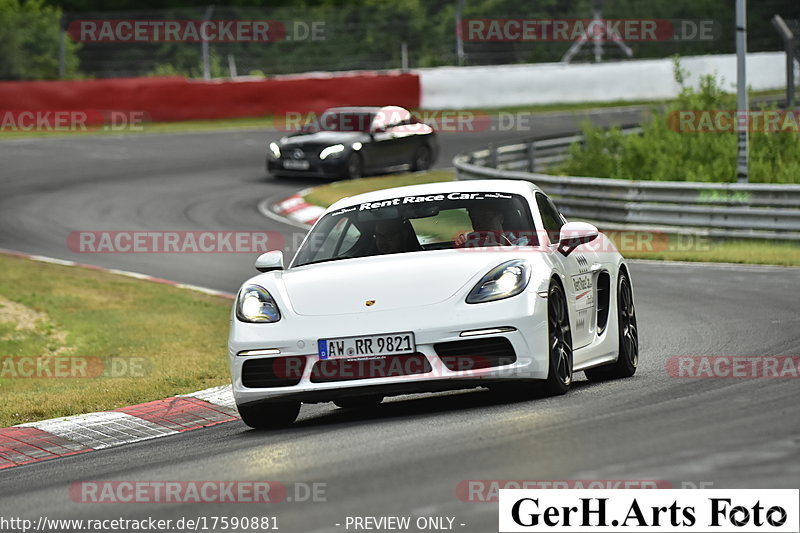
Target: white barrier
point(551, 83)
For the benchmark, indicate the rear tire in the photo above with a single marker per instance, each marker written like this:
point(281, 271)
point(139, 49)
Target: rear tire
point(359, 402)
point(628, 358)
point(355, 168)
point(269, 415)
point(559, 335)
point(422, 159)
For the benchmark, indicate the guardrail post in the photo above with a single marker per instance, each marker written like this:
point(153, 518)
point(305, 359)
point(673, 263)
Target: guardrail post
point(493, 155)
point(531, 150)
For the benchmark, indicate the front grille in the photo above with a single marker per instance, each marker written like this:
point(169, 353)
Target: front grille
point(331, 370)
point(473, 354)
point(273, 372)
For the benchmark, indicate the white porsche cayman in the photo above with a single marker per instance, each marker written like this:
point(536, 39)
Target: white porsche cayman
point(428, 288)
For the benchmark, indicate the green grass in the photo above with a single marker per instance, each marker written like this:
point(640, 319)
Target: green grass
point(665, 247)
point(158, 340)
point(727, 251)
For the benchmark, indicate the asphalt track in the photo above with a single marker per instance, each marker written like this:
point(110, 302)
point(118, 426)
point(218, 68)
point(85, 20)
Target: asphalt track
point(408, 456)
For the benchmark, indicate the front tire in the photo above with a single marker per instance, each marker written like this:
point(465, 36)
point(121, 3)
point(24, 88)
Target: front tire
point(269, 415)
point(628, 358)
point(559, 335)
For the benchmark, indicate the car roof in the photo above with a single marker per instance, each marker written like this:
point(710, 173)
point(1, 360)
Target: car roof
point(354, 109)
point(506, 186)
point(365, 109)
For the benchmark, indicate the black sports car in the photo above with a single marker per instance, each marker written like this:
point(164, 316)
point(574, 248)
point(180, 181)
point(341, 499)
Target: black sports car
point(351, 142)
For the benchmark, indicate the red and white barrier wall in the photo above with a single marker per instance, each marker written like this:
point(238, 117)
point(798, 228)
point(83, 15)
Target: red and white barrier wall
point(484, 87)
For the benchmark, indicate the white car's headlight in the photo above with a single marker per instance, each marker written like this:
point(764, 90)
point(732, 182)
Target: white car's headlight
point(255, 304)
point(275, 150)
point(503, 281)
point(334, 151)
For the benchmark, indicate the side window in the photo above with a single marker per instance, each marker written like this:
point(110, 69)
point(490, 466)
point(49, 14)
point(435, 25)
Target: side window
point(550, 217)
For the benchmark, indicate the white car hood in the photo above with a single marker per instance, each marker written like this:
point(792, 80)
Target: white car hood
point(393, 281)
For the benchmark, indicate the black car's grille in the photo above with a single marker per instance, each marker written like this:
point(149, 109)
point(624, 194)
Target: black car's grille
point(304, 152)
point(473, 354)
point(331, 370)
point(273, 372)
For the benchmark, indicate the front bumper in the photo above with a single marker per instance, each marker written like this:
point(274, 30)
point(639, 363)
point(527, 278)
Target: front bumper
point(318, 168)
point(525, 317)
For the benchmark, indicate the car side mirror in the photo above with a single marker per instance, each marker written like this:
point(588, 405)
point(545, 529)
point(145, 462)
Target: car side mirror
point(270, 261)
point(573, 234)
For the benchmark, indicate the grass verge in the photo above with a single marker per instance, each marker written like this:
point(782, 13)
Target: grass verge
point(107, 341)
point(668, 247)
point(703, 249)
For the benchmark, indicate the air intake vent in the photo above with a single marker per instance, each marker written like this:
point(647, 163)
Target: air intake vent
point(273, 372)
point(473, 354)
point(603, 298)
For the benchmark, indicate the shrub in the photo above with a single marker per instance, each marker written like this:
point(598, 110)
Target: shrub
point(662, 153)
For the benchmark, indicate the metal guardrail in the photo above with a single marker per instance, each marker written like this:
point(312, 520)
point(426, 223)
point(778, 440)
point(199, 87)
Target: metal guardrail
point(726, 210)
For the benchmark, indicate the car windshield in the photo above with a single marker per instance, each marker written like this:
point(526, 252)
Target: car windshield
point(344, 121)
point(420, 223)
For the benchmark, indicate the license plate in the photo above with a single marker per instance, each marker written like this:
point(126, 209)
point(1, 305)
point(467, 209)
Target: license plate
point(366, 346)
point(296, 164)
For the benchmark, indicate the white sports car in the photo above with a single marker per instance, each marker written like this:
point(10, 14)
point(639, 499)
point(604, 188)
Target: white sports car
point(429, 288)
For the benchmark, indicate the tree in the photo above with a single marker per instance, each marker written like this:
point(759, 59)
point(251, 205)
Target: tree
point(29, 42)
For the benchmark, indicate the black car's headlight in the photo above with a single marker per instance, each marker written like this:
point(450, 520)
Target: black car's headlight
point(255, 304)
point(503, 281)
point(275, 150)
point(332, 151)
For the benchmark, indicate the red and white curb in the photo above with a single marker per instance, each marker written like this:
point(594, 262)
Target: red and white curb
point(297, 209)
point(60, 437)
